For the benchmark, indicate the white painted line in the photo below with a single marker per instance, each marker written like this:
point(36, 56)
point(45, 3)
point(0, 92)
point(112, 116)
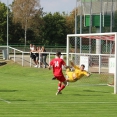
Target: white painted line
point(5, 101)
point(78, 102)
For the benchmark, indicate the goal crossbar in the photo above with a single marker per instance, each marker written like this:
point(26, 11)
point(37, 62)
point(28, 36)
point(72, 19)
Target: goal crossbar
point(102, 36)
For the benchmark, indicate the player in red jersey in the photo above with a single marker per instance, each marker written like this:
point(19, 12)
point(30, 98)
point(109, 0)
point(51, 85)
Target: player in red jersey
point(57, 64)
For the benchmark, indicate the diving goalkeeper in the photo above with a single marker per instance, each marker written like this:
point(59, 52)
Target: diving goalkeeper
point(78, 73)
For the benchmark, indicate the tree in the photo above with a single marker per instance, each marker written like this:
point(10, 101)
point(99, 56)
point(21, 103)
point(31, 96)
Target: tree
point(3, 22)
point(70, 22)
point(115, 22)
point(54, 29)
point(36, 24)
point(23, 11)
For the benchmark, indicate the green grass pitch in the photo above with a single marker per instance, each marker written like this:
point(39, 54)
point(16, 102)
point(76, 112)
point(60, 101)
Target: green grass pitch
point(30, 92)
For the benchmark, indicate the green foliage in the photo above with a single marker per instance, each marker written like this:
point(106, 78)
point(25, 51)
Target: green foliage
point(3, 22)
point(54, 29)
point(42, 28)
point(15, 30)
point(16, 33)
point(23, 13)
point(115, 22)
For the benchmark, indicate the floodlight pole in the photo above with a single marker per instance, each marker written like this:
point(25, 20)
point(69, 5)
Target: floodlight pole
point(111, 25)
point(99, 30)
point(111, 21)
point(76, 31)
point(76, 27)
point(90, 27)
point(80, 25)
point(7, 30)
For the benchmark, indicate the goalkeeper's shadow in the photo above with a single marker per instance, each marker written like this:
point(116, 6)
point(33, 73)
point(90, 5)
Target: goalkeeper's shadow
point(87, 95)
point(95, 91)
point(91, 93)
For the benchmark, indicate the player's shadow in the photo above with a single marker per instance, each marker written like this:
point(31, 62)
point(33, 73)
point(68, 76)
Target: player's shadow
point(6, 90)
point(19, 100)
point(90, 93)
point(95, 91)
point(2, 63)
point(87, 95)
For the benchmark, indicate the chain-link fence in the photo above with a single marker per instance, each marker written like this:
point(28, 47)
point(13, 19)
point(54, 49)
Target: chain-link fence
point(97, 6)
point(106, 47)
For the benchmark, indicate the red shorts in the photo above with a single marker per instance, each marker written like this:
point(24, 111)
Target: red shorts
point(61, 78)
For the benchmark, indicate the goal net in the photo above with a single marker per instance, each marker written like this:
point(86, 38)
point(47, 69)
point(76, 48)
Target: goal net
point(100, 58)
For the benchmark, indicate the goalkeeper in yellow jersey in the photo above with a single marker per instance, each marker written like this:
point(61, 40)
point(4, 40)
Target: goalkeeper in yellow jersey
point(78, 73)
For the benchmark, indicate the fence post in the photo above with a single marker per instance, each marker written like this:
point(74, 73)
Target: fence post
point(22, 59)
point(14, 55)
point(99, 63)
point(30, 61)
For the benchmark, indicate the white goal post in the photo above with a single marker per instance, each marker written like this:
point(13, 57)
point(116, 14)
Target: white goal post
point(100, 36)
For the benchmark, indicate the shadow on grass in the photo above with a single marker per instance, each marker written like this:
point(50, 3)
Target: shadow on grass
point(95, 91)
point(87, 95)
point(2, 63)
point(8, 90)
point(19, 100)
point(90, 93)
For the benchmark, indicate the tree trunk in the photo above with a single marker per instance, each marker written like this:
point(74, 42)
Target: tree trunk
point(25, 32)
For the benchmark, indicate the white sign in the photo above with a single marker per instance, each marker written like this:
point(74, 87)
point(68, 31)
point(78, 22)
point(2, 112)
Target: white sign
point(111, 65)
point(85, 60)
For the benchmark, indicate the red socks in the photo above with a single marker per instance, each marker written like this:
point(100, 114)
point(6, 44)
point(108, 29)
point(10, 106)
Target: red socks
point(62, 87)
point(59, 85)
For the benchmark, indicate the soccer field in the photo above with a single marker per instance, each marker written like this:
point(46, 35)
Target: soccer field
point(30, 92)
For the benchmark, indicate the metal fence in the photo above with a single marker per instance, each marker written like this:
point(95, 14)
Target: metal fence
point(97, 63)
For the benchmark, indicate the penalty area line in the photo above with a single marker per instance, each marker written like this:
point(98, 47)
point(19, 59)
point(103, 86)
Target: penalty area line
point(5, 101)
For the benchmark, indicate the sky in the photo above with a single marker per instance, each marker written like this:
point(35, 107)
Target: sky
point(54, 5)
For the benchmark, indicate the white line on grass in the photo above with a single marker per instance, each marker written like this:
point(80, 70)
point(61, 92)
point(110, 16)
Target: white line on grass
point(80, 102)
point(5, 101)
